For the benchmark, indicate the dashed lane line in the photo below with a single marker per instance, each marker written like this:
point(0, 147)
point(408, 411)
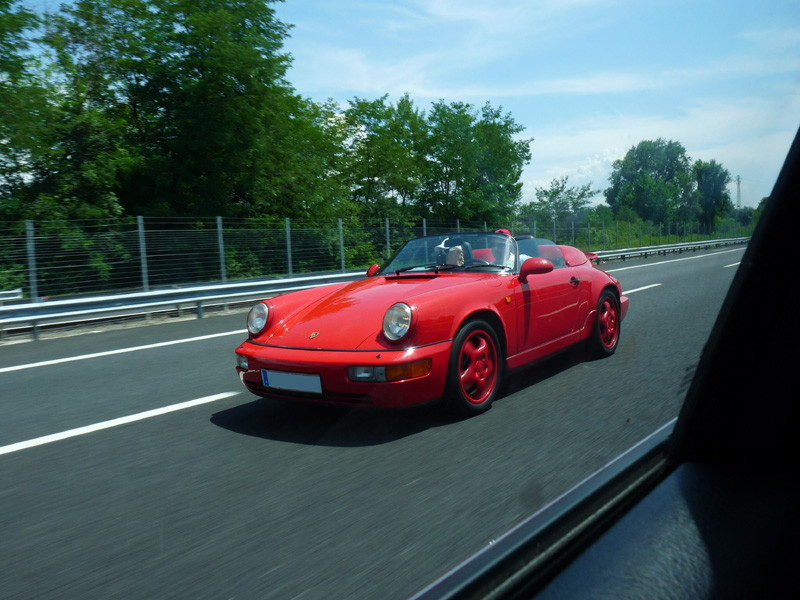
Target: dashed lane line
point(57, 361)
point(148, 414)
point(640, 289)
point(674, 260)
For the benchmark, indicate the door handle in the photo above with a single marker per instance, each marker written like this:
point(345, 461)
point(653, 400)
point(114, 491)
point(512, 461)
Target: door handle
point(574, 281)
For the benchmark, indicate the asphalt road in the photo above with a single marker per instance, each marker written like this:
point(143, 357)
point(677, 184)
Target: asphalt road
point(238, 497)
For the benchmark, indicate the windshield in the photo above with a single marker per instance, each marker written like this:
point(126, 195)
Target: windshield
point(456, 252)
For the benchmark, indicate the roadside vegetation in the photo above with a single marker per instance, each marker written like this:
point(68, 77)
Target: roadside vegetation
point(180, 110)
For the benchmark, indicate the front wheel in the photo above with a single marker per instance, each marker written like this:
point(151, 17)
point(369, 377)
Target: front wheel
point(475, 369)
point(605, 335)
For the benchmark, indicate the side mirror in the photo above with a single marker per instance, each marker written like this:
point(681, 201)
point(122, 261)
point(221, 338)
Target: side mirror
point(372, 270)
point(534, 266)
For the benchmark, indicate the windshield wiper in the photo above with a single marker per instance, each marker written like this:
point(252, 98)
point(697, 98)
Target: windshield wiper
point(423, 267)
point(434, 267)
point(486, 265)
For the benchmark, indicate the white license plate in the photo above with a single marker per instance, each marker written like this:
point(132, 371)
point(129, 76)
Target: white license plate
point(295, 382)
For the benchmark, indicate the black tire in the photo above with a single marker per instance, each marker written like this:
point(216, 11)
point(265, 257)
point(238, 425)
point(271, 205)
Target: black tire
point(606, 331)
point(475, 369)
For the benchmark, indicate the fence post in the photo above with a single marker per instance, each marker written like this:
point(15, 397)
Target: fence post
point(289, 245)
point(341, 243)
point(33, 282)
point(458, 225)
point(424, 227)
point(388, 245)
point(573, 232)
point(143, 254)
point(221, 244)
point(588, 236)
point(554, 231)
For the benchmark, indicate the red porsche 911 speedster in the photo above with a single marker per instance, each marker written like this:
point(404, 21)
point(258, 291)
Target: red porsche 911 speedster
point(444, 318)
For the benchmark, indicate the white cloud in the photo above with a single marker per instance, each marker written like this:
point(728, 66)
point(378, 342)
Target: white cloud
point(749, 136)
point(738, 105)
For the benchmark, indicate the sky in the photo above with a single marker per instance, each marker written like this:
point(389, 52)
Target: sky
point(588, 79)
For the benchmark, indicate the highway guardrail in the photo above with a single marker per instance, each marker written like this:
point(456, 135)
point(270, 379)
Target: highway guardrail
point(88, 308)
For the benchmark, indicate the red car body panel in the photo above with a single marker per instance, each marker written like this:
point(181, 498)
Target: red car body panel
point(324, 331)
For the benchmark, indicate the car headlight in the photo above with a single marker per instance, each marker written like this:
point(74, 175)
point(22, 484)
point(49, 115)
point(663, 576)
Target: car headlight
point(397, 322)
point(257, 318)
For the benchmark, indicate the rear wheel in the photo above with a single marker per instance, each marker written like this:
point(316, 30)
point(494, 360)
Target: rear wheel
point(475, 369)
point(605, 335)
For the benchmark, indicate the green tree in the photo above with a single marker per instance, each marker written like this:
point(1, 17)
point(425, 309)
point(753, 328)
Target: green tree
point(23, 100)
point(407, 131)
point(450, 190)
point(654, 180)
point(712, 191)
point(559, 202)
point(600, 214)
point(198, 91)
point(500, 161)
point(370, 160)
point(475, 163)
point(745, 215)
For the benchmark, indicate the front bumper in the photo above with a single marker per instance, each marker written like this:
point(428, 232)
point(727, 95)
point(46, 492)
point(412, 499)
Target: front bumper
point(624, 302)
point(332, 366)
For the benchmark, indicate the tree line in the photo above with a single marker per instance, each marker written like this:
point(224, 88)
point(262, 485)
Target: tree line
point(183, 108)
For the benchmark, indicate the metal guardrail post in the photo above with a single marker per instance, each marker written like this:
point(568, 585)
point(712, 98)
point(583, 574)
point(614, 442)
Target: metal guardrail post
point(34, 284)
point(388, 246)
point(289, 245)
point(221, 243)
point(341, 244)
point(588, 236)
point(30, 234)
point(143, 254)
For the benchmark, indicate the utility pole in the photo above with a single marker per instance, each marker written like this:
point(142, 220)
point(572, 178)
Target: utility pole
point(738, 192)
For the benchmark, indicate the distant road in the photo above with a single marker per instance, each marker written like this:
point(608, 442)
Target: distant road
point(133, 463)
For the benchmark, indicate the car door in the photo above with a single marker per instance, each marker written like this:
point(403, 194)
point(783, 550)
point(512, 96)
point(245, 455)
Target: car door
point(547, 302)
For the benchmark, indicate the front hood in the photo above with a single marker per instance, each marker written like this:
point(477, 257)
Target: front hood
point(351, 316)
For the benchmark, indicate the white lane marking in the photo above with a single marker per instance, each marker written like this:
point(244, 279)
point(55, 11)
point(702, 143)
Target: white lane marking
point(46, 363)
point(733, 265)
point(666, 262)
point(49, 439)
point(640, 289)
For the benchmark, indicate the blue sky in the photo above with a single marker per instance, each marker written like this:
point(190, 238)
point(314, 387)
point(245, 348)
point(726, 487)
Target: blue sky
point(588, 79)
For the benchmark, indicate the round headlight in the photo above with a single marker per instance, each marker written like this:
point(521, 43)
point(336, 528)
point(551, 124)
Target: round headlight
point(397, 322)
point(257, 318)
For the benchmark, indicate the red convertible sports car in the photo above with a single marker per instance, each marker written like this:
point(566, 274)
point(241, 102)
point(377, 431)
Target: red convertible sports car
point(444, 318)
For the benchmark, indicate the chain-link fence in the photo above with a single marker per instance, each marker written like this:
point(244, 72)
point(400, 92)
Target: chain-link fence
point(58, 258)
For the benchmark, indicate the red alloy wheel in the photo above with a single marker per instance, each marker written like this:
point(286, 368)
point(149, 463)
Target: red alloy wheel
point(608, 320)
point(478, 366)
